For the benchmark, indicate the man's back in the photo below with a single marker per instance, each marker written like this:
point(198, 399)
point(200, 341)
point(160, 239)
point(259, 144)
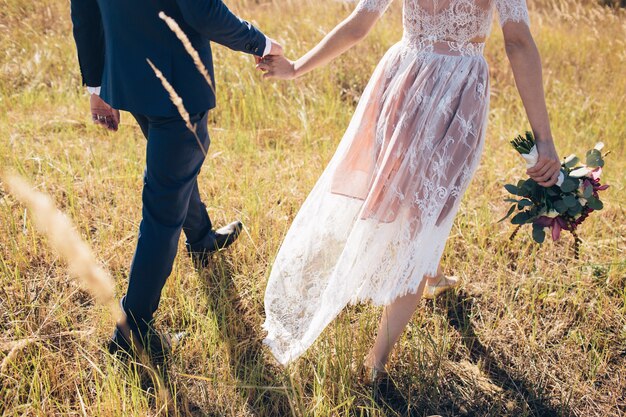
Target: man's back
point(116, 37)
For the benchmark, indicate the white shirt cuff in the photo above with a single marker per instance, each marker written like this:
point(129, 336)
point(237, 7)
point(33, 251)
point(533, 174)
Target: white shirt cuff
point(94, 90)
point(268, 46)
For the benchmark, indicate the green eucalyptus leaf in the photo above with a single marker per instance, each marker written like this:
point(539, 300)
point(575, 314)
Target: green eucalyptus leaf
point(570, 200)
point(553, 191)
point(569, 185)
point(572, 211)
point(529, 184)
point(512, 189)
point(508, 213)
point(538, 193)
point(560, 206)
point(588, 192)
point(520, 218)
point(539, 235)
point(595, 203)
point(594, 159)
point(524, 203)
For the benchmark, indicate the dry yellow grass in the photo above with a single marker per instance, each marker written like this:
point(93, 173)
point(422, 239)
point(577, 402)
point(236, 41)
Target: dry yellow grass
point(65, 241)
point(531, 332)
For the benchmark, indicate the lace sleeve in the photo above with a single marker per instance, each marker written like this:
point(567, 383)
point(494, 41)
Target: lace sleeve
point(512, 11)
point(373, 5)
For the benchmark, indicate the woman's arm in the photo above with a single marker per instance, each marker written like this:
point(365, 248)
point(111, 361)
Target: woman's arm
point(343, 37)
point(526, 64)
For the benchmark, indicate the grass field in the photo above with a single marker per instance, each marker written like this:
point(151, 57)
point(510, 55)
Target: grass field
point(531, 331)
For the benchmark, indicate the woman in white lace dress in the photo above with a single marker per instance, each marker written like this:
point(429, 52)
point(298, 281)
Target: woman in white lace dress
point(375, 225)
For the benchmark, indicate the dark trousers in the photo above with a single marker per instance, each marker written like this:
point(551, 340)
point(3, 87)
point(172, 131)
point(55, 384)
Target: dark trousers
point(171, 203)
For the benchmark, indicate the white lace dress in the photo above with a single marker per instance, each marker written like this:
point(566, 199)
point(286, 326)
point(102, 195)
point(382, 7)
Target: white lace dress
point(378, 218)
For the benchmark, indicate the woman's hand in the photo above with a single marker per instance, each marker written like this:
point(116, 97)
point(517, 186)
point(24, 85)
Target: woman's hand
point(277, 66)
point(546, 170)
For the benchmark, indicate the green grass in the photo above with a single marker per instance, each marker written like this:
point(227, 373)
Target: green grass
point(531, 331)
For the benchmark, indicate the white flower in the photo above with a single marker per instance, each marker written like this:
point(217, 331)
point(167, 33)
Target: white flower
point(552, 214)
point(568, 159)
point(599, 146)
point(580, 172)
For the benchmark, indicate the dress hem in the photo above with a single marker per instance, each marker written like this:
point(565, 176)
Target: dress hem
point(298, 349)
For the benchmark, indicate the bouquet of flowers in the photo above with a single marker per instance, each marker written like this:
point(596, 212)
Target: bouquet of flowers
point(563, 206)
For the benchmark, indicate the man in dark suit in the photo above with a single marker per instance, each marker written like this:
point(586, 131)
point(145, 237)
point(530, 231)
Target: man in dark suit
point(115, 38)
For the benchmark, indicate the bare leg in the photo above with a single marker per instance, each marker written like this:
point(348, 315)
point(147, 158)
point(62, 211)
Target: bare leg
point(395, 318)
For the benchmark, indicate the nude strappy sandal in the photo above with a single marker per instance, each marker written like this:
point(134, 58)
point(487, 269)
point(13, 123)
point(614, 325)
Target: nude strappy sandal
point(443, 284)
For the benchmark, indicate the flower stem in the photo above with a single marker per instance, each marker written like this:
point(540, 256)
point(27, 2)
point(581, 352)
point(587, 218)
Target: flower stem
point(577, 242)
point(519, 226)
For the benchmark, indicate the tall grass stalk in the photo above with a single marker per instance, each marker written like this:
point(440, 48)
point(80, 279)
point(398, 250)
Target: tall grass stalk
point(65, 240)
point(171, 23)
point(178, 103)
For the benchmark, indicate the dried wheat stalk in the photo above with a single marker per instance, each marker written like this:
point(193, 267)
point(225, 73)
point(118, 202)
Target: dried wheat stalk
point(65, 240)
point(178, 102)
point(188, 47)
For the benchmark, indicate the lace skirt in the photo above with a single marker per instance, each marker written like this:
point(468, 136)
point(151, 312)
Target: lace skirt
point(378, 218)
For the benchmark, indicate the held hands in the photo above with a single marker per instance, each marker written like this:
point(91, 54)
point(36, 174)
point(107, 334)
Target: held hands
point(276, 48)
point(103, 114)
point(276, 66)
point(546, 171)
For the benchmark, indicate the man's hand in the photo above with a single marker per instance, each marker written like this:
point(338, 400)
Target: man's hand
point(275, 49)
point(277, 67)
point(546, 170)
point(103, 114)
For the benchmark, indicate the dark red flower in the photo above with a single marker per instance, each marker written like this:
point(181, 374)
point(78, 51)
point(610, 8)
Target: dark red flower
point(556, 224)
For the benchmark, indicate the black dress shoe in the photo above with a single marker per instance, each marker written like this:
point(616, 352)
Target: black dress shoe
point(222, 238)
point(151, 350)
point(126, 346)
point(128, 341)
point(225, 236)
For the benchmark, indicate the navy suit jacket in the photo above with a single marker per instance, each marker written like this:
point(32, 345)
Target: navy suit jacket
point(115, 37)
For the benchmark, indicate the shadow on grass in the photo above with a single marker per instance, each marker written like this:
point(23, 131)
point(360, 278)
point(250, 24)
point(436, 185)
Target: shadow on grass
point(241, 333)
point(459, 311)
point(259, 380)
point(396, 399)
